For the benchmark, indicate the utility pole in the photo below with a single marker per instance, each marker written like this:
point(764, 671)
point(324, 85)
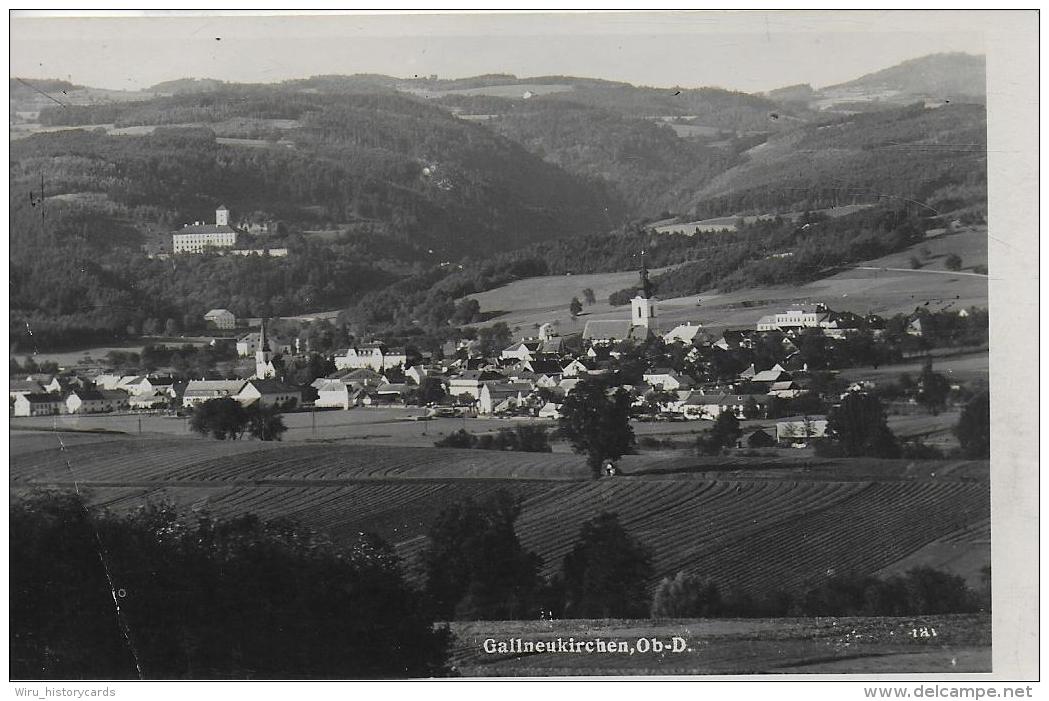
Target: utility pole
point(43, 228)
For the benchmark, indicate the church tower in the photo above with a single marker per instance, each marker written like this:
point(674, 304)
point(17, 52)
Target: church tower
point(643, 305)
point(222, 216)
point(263, 367)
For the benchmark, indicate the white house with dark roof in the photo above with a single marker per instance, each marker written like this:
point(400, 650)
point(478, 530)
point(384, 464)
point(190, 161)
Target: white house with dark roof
point(38, 405)
point(267, 393)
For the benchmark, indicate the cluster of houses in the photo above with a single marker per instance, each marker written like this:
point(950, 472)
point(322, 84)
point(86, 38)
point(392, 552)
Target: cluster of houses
point(49, 395)
point(97, 393)
point(530, 377)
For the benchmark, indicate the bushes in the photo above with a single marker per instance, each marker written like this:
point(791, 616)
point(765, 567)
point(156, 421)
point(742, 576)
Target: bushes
point(524, 438)
point(686, 596)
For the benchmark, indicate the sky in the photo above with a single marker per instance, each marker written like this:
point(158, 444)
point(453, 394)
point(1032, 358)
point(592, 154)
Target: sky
point(750, 51)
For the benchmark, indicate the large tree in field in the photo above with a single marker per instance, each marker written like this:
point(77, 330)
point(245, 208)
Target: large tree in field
point(596, 423)
point(974, 427)
point(933, 389)
point(858, 427)
point(265, 423)
point(222, 419)
point(723, 434)
point(605, 575)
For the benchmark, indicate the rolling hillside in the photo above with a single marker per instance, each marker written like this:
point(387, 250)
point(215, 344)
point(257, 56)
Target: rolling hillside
point(751, 525)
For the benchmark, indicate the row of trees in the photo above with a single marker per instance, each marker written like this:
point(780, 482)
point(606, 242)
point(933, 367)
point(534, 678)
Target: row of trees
point(920, 591)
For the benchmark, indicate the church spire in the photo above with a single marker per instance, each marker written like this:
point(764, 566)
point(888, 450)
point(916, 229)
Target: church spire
point(646, 284)
point(263, 366)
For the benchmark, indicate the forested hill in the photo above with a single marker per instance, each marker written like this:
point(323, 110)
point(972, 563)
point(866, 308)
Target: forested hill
point(318, 159)
point(372, 181)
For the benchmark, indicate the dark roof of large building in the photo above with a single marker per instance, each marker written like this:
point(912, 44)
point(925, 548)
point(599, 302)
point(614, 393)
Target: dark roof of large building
point(206, 229)
point(272, 387)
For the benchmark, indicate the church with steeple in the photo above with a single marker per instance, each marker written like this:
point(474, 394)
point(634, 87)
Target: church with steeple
point(263, 358)
point(643, 305)
point(642, 322)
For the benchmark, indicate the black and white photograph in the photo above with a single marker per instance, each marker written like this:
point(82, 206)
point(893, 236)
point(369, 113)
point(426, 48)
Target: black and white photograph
point(415, 345)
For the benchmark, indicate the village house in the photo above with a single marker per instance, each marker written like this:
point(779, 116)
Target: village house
point(497, 397)
point(96, 401)
point(374, 356)
point(20, 387)
point(416, 374)
point(666, 379)
point(146, 402)
point(221, 319)
point(200, 391)
point(683, 333)
point(702, 405)
point(334, 393)
point(550, 411)
point(576, 368)
point(805, 316)
point(522, 350)
point(267, 393)
point(149, 385)
point(38, 405)
point(469, 382)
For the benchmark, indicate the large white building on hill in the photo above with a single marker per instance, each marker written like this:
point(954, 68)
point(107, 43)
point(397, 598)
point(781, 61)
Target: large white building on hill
point(199, 237)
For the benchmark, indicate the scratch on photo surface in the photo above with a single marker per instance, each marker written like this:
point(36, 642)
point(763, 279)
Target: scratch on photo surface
point(121, 622)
